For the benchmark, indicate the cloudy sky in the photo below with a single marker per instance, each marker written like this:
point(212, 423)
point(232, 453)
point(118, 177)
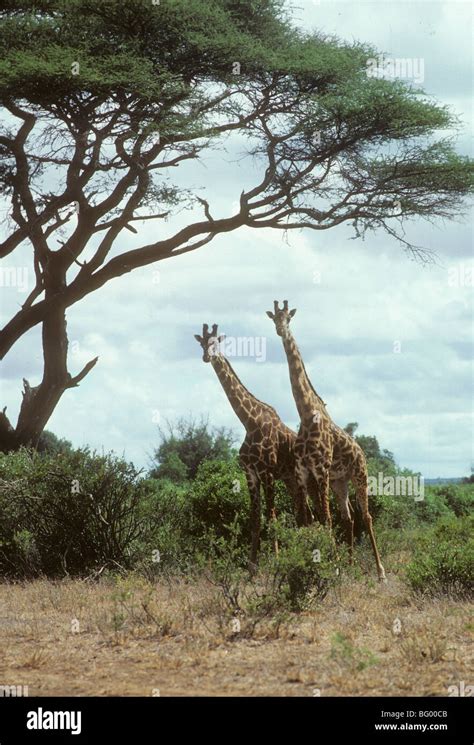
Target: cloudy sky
point(387, 342)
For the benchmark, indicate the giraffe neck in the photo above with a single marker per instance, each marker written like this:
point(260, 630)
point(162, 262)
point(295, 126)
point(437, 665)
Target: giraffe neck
point(306, 398)
point(246, 406)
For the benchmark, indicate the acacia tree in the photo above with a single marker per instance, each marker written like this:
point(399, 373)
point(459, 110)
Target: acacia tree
point(102, 100)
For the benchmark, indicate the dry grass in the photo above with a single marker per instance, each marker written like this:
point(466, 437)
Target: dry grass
point(176, 638)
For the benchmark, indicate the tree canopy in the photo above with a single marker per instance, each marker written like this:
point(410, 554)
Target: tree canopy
point(187, 444)
point(103, 100)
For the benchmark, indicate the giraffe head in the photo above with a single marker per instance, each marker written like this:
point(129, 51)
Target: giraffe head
point(281, 316)
point(209, 342)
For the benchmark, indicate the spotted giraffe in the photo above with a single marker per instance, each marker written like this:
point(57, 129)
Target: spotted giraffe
point(267, 452)
point(325, 455)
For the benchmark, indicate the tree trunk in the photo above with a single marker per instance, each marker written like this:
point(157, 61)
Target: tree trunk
point(39, 402)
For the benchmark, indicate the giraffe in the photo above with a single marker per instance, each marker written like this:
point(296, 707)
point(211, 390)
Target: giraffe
point(325, 455)
point(267, 452)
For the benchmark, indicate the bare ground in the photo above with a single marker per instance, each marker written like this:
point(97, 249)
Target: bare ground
point(175, 638)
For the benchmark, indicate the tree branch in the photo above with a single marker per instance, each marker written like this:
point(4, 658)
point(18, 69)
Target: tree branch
point(74, 381)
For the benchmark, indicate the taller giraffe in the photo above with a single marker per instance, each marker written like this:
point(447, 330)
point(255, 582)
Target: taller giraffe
point(267, 452)
point(324, 453)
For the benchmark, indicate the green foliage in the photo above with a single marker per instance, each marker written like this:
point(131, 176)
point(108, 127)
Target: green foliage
point(133, 45)
point(306, 566)
point(459, 498)
point(302, 573)
point(74, 511)
point(84, 73)
point(23, 550)
point(443, 559)
point(393, 510)
point(379, 459)
point(402, 512)
point(186, 445)
point(51, 444)
point(166, 540)
point(219, 498)
point(68, 513)
point(158, 53)
point(284, 503)
point(171, 468)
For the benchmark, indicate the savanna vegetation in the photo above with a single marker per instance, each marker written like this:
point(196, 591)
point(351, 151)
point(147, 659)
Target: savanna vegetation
point(98, 557)
point(73, 512)
point(102, 102)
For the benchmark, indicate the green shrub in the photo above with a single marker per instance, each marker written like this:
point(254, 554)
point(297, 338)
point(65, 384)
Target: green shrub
point(432, 507)
point(218, 497)
point(443, 559)
point(68, 513)
point(459, 498)
point(76, 511)
point(166, 542)
point(302, 573)
point(185, 445)
point(284, 503)
point(403, 512)
point(306, 566)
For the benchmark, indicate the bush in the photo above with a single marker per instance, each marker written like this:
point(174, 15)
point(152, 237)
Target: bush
point(403, 512)
point(302, 573)
point(167, 542)
point(69, 513)
point(432, 507)
point(443, 560)
point(76, 511)
point(459, 498)
point(218, 498)
point(52, 444)
point(306, 567)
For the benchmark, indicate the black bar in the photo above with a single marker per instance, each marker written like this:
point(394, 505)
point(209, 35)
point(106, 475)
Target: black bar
point(156, 720)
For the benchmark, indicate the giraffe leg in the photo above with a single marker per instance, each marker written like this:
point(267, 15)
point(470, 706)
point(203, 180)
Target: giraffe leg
point(341, 490)
point(253, 484)
point(317, 513)
point(302, 511)
point(269, 489)
point(292, 488)
point(320, 474)
point(360, 481)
